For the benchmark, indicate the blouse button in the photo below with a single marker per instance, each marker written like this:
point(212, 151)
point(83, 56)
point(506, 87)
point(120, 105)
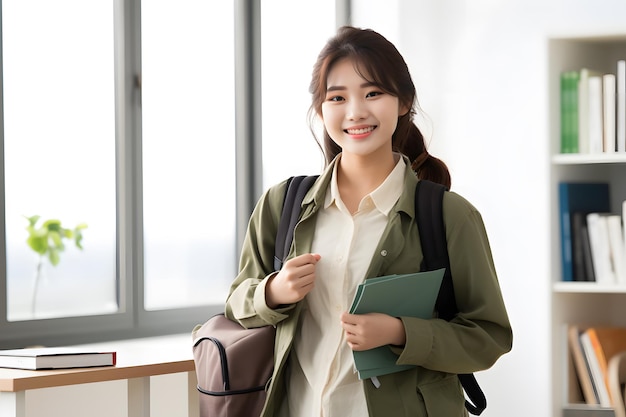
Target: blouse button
point(383, 252)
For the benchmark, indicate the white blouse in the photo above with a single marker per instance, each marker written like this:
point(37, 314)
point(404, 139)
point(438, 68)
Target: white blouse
point(323, 381)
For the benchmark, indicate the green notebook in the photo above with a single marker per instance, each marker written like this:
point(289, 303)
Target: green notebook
point(411, 295)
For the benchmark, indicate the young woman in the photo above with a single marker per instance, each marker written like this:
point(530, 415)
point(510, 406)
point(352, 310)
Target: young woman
point(358, 222)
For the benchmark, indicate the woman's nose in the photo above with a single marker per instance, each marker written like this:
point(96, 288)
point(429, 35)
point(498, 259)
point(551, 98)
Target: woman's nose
point(356, 110)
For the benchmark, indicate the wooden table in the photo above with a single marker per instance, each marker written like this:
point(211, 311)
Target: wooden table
point(137, 361)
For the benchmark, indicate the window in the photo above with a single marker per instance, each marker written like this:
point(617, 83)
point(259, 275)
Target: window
point(188, 144)
point(59, 153)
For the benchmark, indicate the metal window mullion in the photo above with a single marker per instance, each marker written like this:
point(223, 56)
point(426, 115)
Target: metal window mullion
point(248, 149)
point(3, 242)
point(128, 155)
point(343, 13)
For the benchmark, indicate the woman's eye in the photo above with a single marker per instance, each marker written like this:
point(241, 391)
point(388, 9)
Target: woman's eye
point(373, 94)
point(335, 98)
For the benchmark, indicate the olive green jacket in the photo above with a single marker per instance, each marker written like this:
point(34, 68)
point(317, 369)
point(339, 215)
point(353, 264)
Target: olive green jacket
point(471, 342)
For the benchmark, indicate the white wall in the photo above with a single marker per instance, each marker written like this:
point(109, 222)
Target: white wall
point(485, 91)
point(480, 67)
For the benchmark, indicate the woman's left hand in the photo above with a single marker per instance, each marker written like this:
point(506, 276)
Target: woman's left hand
point(368, 331)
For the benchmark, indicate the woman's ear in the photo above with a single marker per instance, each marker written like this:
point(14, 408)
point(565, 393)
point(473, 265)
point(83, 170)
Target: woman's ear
point(404, 109)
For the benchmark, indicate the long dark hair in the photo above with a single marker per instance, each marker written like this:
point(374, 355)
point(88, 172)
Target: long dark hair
point(376, 57)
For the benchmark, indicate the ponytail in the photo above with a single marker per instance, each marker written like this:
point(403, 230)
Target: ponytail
point(408, 140)
point(427, 167)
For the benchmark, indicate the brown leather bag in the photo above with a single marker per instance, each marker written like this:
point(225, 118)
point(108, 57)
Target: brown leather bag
point(234, 367)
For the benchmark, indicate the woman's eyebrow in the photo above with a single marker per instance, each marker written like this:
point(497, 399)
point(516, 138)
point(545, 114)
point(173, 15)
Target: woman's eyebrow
point(340, 87)
point(335, 88)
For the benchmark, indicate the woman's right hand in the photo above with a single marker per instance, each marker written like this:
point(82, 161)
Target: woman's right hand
point(293, 282)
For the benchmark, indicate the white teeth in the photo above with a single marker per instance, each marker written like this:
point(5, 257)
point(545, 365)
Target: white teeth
point(360, 131)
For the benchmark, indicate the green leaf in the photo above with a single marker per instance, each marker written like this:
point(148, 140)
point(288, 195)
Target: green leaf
point(32, 220)
point(38, 243)
point(54, 257)
point(78, 239)
point(55, 237)
point(52, 225)
point(48, 239)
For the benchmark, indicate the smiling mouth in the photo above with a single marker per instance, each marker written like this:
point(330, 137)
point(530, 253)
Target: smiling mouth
point(360, 131)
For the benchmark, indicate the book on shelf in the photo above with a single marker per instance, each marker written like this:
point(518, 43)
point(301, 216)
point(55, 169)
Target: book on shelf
point(608, 113)
point(608, 247)
point(581, 366)
point(582, 260)
point(593, 110)
point(55, 358)
point(569, 111)
point(624, 220)
point(595, 370)
point(617, 247)
point(600, 344)
point(588, 274)
point(620, 105)
point(578, 197)
point(596, 116)
point(583, 110)
point(597, 224)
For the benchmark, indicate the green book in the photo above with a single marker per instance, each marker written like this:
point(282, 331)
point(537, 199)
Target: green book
point(564, 111)
point(573, 140)
point(411, 295)
point(569, 111)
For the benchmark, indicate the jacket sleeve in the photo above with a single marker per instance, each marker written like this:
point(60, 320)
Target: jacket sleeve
point(246, 300)
point(481, 331)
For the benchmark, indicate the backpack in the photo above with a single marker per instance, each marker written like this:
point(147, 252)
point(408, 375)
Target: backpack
point(233, 364)
point(233, 367)
point(429, 212)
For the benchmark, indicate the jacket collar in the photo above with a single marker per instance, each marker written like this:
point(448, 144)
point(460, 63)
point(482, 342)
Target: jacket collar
point(405, 204)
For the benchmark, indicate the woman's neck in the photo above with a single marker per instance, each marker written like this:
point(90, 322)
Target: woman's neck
point(358, 176)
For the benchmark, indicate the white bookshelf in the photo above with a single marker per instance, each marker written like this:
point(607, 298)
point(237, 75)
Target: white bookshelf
point(587, 287)
point(588, 159)
point(580, 303)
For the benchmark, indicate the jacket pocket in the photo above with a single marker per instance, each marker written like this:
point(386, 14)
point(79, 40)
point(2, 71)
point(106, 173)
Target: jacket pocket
point(444, 398)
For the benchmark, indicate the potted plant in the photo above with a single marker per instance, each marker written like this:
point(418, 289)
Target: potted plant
point(47, 240)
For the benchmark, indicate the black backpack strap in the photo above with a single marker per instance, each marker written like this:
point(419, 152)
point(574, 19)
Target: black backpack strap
point(297, 187)
point(477, 401)
point(429, 215)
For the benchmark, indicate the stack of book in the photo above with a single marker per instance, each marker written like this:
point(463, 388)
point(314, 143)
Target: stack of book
point(593, 244)
point(591, 350)
point(593, 110)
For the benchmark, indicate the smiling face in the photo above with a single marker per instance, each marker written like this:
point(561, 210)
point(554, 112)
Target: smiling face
point(358, 115)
